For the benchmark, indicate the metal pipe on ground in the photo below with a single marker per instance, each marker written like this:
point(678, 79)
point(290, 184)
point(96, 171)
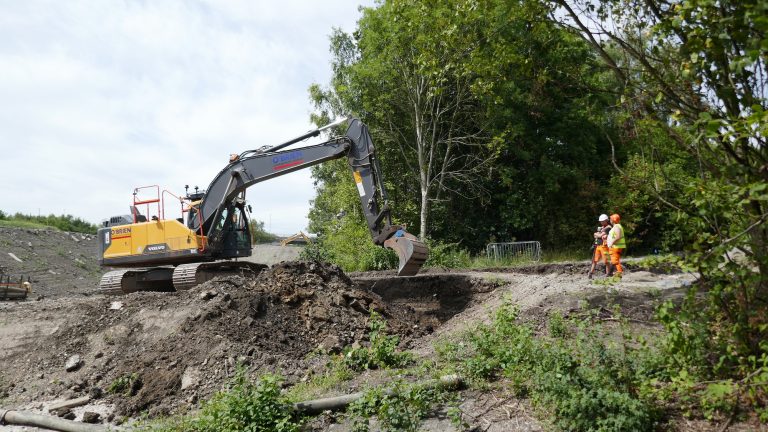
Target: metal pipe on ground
point(23, 418)
point(336, 403)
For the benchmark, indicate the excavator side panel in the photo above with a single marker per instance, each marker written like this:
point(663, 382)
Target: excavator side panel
point(148, 243)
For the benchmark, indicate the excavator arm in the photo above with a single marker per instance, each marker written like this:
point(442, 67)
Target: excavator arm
point(255, 166)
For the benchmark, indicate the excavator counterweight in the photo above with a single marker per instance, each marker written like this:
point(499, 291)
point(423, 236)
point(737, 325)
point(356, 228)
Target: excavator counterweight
point(174, 254)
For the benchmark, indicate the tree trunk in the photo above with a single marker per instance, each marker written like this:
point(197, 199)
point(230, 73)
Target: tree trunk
point(424, 213)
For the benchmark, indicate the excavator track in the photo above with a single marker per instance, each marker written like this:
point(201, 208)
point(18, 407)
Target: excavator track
point(112, 282)
point(183, 277)
point(186, 276)
point(139, 279)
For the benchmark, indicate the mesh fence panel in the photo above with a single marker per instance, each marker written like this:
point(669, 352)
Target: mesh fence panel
point(514, 251)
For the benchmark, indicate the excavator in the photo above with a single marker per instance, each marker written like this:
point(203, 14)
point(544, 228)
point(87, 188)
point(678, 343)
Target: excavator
point(167, 254)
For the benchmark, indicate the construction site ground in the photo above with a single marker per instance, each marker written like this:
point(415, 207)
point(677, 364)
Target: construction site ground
point(162, 354)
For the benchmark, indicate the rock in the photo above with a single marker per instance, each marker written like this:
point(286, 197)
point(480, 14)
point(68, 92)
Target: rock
point(190, 378)
point(73, 363)
point(64, 413)
point(331, 344)
point(91, 417)
point(99, 355)
point(75, 239)
point(319, 313)
point(116, 305)
point(96, 392)
point(15, 257)
point(207, 295)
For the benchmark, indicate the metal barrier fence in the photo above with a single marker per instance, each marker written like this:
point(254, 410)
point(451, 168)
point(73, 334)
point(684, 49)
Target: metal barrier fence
point(514, 251)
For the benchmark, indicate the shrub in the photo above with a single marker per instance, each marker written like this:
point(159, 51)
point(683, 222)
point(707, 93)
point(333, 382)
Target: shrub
point(382, 352)
point(587, 383)
point(448, 255)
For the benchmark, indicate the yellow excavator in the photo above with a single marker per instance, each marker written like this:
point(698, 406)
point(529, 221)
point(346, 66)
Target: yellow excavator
point(299, 237)
point(166, 254)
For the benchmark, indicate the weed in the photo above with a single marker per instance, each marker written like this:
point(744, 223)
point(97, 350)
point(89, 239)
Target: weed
point(399, 408)
point(496, 281)
point(608, 281)
point(124, 384)
point(583, 379)
point(244, 406)
point(382, 352)
point(557, 325)
point(665, 263)
point(336, 372)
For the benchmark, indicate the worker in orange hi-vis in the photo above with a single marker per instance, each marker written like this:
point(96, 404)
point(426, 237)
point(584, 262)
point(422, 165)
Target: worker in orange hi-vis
point(617, 244)
point(600, 246)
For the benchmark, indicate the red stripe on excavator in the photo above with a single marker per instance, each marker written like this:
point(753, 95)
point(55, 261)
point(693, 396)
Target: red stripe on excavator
point(290, 164)
point(121, 237)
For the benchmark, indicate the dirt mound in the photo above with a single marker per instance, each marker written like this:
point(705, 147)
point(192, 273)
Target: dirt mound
point(160, 353)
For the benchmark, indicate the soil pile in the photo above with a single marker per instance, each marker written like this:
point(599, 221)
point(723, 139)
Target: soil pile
point(161, 353)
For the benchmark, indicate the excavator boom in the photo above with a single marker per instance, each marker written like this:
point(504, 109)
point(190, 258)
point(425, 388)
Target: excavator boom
point(216, 227)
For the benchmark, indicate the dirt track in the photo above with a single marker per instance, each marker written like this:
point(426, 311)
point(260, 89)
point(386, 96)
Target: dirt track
point(174, 350)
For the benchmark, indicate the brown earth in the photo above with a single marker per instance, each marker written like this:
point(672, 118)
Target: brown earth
point(173, 350)
point(176, 349)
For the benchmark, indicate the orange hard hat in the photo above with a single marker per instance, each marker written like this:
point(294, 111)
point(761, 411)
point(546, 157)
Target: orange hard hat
point(615, 218)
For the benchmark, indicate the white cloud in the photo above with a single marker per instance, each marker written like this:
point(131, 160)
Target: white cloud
point(99, 97)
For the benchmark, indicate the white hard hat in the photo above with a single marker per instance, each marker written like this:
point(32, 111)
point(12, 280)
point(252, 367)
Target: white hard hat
point(603, 217)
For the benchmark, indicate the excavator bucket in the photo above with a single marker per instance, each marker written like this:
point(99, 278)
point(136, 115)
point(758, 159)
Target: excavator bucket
point(411, 252)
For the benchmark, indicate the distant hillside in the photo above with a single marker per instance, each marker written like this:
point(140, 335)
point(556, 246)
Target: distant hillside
point(63, 222)
point(59, 263)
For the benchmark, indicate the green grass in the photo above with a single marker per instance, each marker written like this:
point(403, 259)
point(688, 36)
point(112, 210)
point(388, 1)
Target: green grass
point(24, 224)
point(335, 373)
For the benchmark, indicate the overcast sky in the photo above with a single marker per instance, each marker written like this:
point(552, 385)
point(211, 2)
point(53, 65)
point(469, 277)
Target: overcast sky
point(98, 97)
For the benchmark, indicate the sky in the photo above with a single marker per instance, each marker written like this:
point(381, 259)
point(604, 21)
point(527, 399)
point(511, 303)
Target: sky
point(99, 97)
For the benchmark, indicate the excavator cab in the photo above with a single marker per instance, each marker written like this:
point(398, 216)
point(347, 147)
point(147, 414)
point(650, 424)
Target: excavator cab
point(231, 235)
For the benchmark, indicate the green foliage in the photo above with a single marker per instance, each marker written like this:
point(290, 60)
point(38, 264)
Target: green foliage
point(448, 255)
point(335, 372)
point(661, 168)
point(399, 408)
point(664, 263)
point(382, 352)
point(484, 116)
point(62, 222)
point(348, 244)
point(123, 384)
point(259, 234)
point(586, 381)
point(698, 76)
point(245, 406)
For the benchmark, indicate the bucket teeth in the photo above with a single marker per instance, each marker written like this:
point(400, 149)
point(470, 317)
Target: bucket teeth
point(411, 252)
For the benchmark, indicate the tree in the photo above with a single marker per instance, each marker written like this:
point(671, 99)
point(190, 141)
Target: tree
point(697, 69)
point(485, 110)
point(259, 234)
point(403, 74)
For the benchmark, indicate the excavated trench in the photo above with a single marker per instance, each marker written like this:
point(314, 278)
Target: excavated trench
point(435, 298)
